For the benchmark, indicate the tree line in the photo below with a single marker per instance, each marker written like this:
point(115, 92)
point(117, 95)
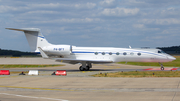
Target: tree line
point(15, 53)
point(3, 52)
point(171, 50)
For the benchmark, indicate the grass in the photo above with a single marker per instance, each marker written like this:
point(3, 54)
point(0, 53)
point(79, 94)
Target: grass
point(27, 66)
point(141, 74)
point(14, 72)
point(175, 63)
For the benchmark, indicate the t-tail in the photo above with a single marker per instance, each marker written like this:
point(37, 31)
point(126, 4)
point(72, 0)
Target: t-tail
point(34, 37)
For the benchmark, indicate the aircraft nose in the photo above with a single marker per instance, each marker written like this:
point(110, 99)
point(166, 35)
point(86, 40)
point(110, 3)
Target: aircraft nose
point(171, 58)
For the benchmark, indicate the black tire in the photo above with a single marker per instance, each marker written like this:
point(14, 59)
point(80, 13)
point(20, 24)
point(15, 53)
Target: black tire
point(81, 68)
point(162, 68)
point(87, 68)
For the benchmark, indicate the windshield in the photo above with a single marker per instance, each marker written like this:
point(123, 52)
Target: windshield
point(160, 51)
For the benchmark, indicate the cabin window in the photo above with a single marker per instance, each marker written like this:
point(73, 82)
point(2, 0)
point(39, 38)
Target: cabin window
point(110, 53)
point(96, 53)
point(103, 53)
point(124, 53)
point(117, 53)
point(138, 54)
point(131, 53)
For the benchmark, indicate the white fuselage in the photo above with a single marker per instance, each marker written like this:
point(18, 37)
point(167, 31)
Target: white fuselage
point(108, 53)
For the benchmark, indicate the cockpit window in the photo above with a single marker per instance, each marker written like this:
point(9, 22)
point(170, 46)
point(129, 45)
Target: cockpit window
point(160, 51)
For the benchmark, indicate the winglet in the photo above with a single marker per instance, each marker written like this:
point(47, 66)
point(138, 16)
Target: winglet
point(43, 53)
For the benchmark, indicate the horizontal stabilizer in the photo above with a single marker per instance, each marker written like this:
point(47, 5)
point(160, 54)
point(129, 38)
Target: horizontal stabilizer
point(25, 29)
point(43, 53)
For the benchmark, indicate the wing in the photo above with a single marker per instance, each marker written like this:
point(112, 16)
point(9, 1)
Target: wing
point(74, 61)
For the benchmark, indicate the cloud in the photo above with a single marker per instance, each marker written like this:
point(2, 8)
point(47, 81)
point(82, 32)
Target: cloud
point(72, 20)
point(153, 39)
point(135, 1)
point(54, 6)
point(87, 5)
point(171, 8)
point(49, 5)
point(42, 12)
point(165, 32)
point(116, 22)
point(138, 25)
point(91, 5)
point(108, 3)
point(5, 8)
point(120, 12)
point(85, 36)
point(167, 21)
point(169, 12)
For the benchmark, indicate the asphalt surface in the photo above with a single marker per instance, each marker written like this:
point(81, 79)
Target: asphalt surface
point(81, 86)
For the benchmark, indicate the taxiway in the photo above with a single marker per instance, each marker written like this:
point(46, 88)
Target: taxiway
point(80, 86)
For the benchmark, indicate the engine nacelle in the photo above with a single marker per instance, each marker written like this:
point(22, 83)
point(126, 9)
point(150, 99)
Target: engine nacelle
point(58, 50)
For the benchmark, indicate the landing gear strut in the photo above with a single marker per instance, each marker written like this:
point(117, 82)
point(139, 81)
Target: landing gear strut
point(162, 67)
point(85, 66)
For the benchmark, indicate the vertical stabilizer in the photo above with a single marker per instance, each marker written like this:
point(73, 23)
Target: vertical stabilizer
point(34, 37)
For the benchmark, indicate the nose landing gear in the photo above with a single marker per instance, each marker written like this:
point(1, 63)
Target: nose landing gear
point(162, 67)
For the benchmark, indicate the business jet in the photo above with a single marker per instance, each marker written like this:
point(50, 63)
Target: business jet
point(90, 55)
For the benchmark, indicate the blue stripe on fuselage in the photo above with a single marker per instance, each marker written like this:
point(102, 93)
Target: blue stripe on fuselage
point(121, 53)
point(82, 52)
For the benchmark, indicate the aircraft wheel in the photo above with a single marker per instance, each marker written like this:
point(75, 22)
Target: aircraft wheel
point(81, 68)
point(87, 68)
point(162, 68)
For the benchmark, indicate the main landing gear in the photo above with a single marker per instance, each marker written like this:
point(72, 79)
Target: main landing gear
point(85, 66)
point(162, 67)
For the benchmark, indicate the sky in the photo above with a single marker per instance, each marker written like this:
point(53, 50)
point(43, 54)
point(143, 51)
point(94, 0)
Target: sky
point(92, 23)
